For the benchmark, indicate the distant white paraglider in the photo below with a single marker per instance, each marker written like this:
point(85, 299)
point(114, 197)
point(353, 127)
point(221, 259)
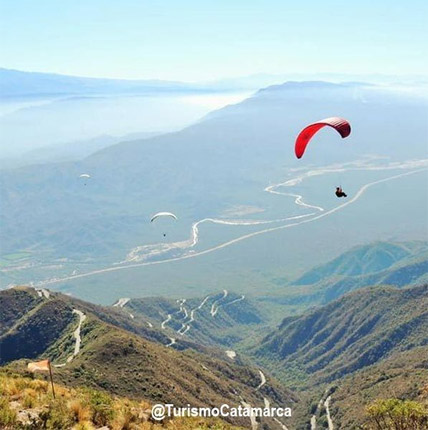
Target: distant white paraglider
point(85, 177)
point(161, 215)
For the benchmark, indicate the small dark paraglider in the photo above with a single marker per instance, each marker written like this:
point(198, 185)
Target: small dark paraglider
point(339, 192)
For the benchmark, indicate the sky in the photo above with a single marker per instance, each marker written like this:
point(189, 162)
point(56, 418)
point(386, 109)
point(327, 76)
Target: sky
point(198, 40)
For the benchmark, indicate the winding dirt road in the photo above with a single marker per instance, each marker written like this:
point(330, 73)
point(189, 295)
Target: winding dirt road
point(254, 423)
point(234, 301)
point(186, 325)
point(168, 319)
point(121, 302)
point(313, 420)
point(216, 305)
point(327, 411)
point(43, 293)
point(77, 337)
point(262, 380)
point(76, 333)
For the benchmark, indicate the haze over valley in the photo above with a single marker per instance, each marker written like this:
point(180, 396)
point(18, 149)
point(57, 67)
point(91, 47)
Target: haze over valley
point(248, 212)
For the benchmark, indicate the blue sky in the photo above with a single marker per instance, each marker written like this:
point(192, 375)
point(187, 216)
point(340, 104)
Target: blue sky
point(204, 40)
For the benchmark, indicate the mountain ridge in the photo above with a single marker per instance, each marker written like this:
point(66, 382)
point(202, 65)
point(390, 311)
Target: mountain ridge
point(350, 333)
point(116, 359)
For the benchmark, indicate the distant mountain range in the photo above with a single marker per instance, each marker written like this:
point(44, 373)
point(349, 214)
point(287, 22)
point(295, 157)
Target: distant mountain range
point(70, 151)
point(17, 83)
point(59, 111)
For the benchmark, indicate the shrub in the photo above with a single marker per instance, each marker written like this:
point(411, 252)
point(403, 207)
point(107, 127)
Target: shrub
point(123, 419)
point(39, 386)
point(79, 411)
point(9, 387)
point(7, 415)
point(397, 415)
point(57, 416)
point(102, 407)
point(84, 425)
point(29, 398)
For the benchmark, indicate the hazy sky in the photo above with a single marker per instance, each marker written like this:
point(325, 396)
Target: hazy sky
point(209, 39)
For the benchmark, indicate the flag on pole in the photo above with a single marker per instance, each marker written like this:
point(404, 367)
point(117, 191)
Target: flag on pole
point(42, 366)
point(39, 366)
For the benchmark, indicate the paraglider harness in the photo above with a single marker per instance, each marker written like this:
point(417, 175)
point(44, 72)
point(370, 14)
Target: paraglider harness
point(339, 192)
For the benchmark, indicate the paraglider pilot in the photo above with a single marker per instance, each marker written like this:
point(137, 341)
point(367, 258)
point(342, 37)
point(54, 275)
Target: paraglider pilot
point(340, 193)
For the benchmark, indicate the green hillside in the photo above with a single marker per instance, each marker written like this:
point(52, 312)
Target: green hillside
point(356, 331)
point(367, 346)
point(404, 376)
point(211, 320)
point(123, 361)
point(338, 342)
point(364, 260)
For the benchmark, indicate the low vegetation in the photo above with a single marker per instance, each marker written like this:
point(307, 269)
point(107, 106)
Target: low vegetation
point(396, 414)
point(28, 404)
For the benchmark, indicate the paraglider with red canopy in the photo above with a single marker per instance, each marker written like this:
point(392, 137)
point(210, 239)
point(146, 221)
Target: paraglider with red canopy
point(342, 126)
